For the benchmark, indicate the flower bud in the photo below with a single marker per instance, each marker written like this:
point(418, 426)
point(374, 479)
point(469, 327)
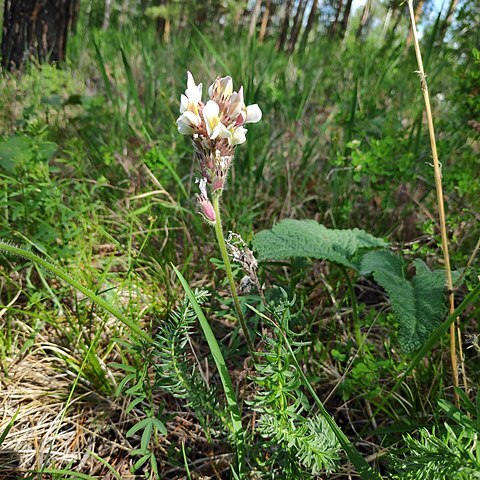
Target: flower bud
point(206, 209)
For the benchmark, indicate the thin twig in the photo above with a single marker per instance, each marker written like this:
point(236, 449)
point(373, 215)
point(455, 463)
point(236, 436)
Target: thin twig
point(441, 208)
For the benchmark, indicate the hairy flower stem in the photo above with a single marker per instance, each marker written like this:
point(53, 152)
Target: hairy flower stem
point(454, 327)
point(223, 250)
point(353, 304)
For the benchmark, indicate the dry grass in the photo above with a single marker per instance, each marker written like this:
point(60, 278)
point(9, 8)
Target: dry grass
point(44, 434)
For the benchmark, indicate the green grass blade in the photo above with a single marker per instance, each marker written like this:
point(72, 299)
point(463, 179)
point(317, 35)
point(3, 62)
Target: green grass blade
point(114, 472)
point(222, 370)
point(59, 272)
point(213, 51)
point(7, 429)
point(132, 86)
point(103, 71)
point(68, 473)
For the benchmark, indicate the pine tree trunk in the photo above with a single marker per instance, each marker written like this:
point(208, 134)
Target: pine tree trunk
point(367, 10)
point(334, 26)
point(448, 18)
point(285, 24)
point(265, 18)
point(254, 18)
point(417, 15)
point(106, 14)
point(346, 17)
point(311, 20)
point(36, 28)
point(297, 24)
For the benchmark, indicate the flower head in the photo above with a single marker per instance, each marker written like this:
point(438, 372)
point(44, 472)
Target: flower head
point(216, 128)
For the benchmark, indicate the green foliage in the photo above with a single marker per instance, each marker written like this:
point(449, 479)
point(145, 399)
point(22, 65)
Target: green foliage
point(342, 140)
point(296, 440)
point(307, 238)
point(230, 396)
point(418, 303)
point(379, 162)
point(139, 387)
point(365, 373)
point(447, 452)
point(175, 372)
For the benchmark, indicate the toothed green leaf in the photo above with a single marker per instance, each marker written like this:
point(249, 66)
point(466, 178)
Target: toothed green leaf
point(418, 303)
point(307, 238)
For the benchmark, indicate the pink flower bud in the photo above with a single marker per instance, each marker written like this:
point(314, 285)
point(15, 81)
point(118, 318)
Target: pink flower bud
point(206, 209)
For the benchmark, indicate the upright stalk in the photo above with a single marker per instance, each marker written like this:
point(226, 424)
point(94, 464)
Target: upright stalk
point(441, 208)
point(223, 250)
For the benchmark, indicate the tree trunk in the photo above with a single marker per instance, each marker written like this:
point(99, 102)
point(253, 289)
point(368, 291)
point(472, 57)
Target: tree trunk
point(106, 14)
point(265, 18)
point(346, 17)
point(367, 10)
point(334, 26)
point(254, 18)
point(417, 14)
point(311, 20)
point(297, 24)
point(285, 24)
point(36, 28)
point(448, 18)
point(397, 14)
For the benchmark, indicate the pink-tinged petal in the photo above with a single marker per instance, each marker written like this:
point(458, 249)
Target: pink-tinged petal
point(208, 211)
point(241, 118)
point(239, 136)
point(237, 105)
point(220, 131)
point(225, 86)
point(254, 114)
point(221, 88)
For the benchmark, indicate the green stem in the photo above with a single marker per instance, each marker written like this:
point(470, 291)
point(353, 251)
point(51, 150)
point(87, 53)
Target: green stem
point(223, 250)
point(353, 304)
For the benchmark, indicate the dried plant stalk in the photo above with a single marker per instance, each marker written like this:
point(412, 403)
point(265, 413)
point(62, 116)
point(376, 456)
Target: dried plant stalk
point(454, 327)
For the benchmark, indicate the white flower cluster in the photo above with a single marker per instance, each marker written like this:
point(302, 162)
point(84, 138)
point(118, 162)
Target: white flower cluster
point(216, 128)
point(222, 117)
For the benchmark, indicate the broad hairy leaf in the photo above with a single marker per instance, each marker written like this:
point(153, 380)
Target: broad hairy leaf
point(418, 303)
point(308, 238)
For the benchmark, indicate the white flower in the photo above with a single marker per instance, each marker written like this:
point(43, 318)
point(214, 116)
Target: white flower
point(236, 104)
point(222, 87)
point(215, 128)
point(186, 123)
point(193, 96)
point(254, 114)
point(239, 135)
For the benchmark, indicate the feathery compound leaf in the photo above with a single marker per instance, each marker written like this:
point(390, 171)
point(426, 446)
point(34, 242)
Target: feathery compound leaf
point(418, 303)
point(307, 238)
